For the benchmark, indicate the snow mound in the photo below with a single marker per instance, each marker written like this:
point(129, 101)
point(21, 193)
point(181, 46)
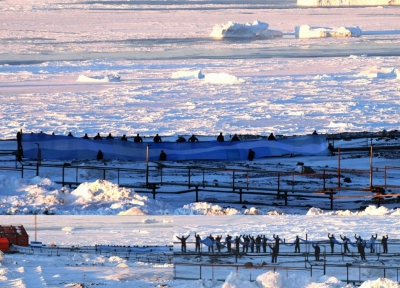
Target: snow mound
point(107, 78)
point(149, 220)
point(380, 282)
point(100, 190)
point(371, 210)
point(188, 74)
point(374, 72)
point(347, 2)
point(315, 211)
point(306, 31)
point(222, 78)
point(273, 279)
point(247, 30)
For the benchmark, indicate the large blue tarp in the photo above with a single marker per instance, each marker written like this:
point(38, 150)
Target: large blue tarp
point(72, 148)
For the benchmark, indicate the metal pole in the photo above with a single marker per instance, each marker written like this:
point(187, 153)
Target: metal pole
point(189, 178)
point(147, 165)
point(233, 180)
point(35, 228)
point(370, 167)
point(338, 176)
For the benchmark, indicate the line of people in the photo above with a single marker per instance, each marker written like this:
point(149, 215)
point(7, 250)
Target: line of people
point(259, 243)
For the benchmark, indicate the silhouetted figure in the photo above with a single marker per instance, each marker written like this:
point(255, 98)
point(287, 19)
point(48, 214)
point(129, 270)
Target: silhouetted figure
point(251, 155)
point(218, 242)
point(197, 248)
point(228, 243)
point(252, 243)
point(274, 254)
point(264, 244)
point(220, 137)
point(85, 136)
point(246, 242)
point(157, 139)
point(183, 242)
point(271, 137)
point(237, 244)
point(384, 243)
point(317, 251)
point(211, 248)
point(100, 155)
point(361, 249)
point(70, 134)
point(137, 139)
point(331, 149)
point(315, 132)
point(277, 241)
point(345, 244)
point(20, 152)
point(181, 139)
point(109, 136)
point(258, 243)
point(235, 138)
point(358, 241)
point(123, 138)
point(297, 245)
point(97, 137)
point(193, 138)
point(372, 243)
point(331, 241)
point(163, 156)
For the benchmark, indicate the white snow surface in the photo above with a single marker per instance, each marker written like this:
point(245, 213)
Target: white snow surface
point(149, 68)
point(359, 3)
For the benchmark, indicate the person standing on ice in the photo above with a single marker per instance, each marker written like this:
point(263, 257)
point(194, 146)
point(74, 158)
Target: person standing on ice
point(211, 247)
point(137, 139)
point(297, 245)
point(193, 139)
point(218, 242)
point(220, 137)
point(183, 242)
point(361, 249)
point(372, 243)
point(358, 241)
point(109, 136)
point(97, 137)
point(198, 239)
point(384, 243)
point(332, 240)
point(277, 240)
point(157, 139)
point(345, 244)
point(123, 138)
point(274, 254)
point(237, 243)
point(264, 244)
point(163, 156)
point(258, 243)
point(228, 243)
point(317, 251)
point(271, 137)
point(235, 138)
point(85, 136)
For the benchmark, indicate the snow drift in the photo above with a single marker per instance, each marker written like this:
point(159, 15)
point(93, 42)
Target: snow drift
point(99, 78)
point(247, 30)
point(306, 31)
point(188, 74)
